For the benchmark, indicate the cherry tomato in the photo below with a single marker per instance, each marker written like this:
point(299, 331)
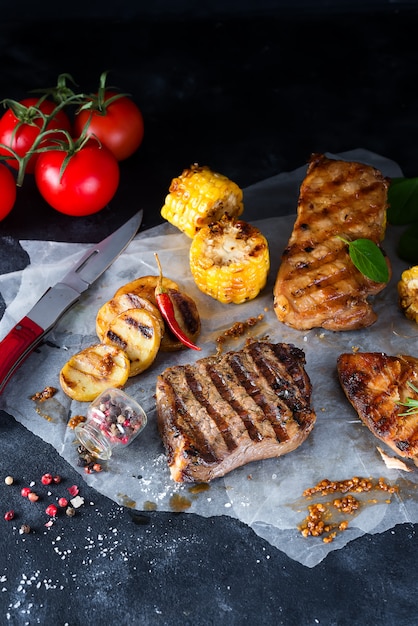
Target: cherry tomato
point(118, 125)
point(20, 131)
point(7, 191)
point(89, 181)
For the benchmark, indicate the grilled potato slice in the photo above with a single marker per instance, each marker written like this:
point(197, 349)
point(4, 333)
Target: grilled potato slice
point(145, 287)
point(119, 304)
point(93, 370)
point(138, 333)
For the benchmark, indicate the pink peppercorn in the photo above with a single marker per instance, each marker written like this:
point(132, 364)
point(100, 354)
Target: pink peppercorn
point(25, 491)
point(46, 479)
point(62, 502)
point(57, 480)
point(51, 510)
point(9, 515)
point(33, 497)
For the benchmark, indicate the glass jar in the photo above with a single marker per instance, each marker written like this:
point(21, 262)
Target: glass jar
point(113, 419)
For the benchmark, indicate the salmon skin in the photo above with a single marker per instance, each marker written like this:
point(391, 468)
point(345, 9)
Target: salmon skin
point(225, 411)
point(317, 284)
point(377, 385)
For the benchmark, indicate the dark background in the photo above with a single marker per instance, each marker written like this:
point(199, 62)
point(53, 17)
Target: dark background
point(251, 89)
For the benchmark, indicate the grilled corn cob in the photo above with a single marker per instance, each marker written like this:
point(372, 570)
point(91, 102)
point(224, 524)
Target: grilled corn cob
point(200, 196)
point(229, 260)
point(408, 293)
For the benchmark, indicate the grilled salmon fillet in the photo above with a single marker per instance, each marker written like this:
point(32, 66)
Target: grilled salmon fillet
point(223, 412)
point(376, 384)
point(317, 284)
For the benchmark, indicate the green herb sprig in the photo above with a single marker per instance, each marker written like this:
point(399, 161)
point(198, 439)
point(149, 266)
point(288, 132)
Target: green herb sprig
point(368, 258)
point(411, 403)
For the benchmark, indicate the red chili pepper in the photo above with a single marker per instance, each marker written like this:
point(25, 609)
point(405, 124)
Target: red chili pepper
point(167, 311)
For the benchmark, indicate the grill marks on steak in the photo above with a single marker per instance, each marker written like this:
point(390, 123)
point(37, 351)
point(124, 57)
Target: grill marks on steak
point(376, 384)
point(317, 284)
point(223, 412)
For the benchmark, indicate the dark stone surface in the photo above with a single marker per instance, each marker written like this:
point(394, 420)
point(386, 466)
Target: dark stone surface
point(250, 95)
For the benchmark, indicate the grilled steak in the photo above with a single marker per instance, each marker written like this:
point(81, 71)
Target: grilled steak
point(317, 284)
point(223, 412)
point(376, 384)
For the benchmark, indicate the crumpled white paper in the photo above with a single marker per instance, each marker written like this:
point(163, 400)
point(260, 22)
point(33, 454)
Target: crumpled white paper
point(266, 495)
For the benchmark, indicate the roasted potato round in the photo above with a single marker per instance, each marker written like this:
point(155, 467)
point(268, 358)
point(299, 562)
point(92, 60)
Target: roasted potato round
point(145, 287)
point(120, 303)
point(138, 333)
point(93, 370)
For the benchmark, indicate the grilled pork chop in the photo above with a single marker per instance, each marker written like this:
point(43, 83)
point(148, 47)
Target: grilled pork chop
point(317, 284)
point(376, 384)
point(223, 412)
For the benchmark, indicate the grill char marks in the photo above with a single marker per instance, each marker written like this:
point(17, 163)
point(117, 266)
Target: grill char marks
point(375, 384)
point(223, 412)
point(317, 284)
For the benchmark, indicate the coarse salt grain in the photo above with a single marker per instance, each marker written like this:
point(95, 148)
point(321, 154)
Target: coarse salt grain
point(77, 502)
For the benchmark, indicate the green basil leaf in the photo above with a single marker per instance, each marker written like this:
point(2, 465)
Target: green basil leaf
point(369, 259)
point(403, 201)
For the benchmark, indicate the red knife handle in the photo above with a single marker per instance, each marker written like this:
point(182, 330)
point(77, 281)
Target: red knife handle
point(16, 346)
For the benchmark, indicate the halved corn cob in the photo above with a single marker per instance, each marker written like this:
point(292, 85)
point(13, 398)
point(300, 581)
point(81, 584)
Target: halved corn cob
point(408, 293)
point(229, 260)
point(200, 196)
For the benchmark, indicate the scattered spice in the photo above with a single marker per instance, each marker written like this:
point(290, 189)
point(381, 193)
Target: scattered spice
point(319, 520)
point(9, 480)
point(45, 394)
point(24, 529)
point(51, 510)
point(325, 487)
point(348, 504)
point(75, 420)
point(236, 330)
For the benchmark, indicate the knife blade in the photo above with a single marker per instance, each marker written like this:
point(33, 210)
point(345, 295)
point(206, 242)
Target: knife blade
point(27, 334)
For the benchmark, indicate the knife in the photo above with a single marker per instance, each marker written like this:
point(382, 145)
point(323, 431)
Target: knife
point(57, 300)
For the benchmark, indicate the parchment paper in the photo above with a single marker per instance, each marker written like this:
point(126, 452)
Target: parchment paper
point(265, 495)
